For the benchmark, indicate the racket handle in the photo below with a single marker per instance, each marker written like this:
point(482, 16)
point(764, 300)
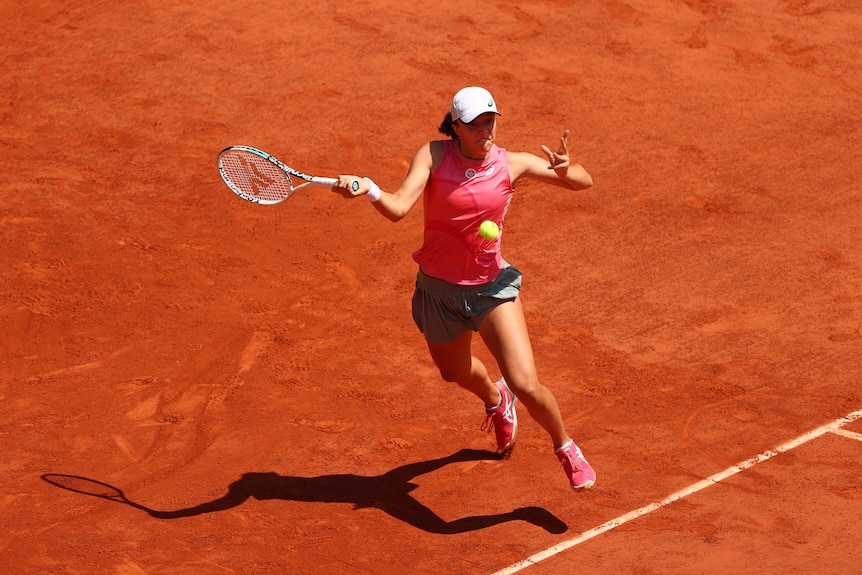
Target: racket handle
point(324, 181)
point(332, 182)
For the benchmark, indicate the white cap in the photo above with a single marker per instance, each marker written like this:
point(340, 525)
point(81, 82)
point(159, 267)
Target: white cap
point(470, 102)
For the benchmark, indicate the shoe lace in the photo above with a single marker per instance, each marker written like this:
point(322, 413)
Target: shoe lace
point(488, 424)
point(491, 418)
point(571, 457)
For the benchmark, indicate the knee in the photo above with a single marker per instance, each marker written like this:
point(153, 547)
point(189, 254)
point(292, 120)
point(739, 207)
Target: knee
point(528, 390)
point(452, 374)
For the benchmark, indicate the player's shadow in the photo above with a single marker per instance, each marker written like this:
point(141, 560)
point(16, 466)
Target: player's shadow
point(389, 492)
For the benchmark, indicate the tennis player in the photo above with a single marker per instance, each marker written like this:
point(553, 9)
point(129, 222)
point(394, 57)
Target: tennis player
point(463, 284)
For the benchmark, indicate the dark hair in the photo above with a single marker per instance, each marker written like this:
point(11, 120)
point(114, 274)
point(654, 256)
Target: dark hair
point(446, 127)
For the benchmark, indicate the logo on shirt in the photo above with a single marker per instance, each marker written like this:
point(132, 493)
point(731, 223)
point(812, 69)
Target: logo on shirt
point(471, 173)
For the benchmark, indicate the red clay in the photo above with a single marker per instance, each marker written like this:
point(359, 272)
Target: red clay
point(250, 379)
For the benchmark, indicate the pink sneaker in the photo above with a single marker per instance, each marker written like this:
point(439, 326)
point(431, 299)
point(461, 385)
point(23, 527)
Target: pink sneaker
point(581, 475)
point(503, 418)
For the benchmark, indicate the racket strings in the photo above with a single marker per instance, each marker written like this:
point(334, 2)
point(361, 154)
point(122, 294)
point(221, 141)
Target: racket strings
point(256, 176)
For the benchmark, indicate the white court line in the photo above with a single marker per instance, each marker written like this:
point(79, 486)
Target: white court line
point(850, 434)
point(834, 427)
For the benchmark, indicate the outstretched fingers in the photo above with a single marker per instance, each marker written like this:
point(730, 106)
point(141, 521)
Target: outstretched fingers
point(560, 158)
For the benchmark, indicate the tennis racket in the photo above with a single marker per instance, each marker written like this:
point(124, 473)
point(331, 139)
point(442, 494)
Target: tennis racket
point(258, 177)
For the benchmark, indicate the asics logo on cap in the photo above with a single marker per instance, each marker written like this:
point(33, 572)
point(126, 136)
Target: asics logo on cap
point(471, 102)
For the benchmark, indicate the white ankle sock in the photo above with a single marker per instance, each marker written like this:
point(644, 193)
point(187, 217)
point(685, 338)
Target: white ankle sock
point(565, 445)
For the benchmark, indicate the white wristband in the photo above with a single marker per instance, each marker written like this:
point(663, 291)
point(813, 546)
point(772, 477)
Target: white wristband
point(374, 193)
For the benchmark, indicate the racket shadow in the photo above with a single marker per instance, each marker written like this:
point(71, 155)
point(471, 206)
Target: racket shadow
point(389, 492)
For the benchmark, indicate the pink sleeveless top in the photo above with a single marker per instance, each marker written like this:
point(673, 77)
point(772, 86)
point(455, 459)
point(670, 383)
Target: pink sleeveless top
point(462, 193)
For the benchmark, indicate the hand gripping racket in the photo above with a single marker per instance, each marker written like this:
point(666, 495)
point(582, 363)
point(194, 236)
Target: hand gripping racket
point(258, 177)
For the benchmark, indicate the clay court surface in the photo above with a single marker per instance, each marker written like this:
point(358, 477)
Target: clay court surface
point(190, 383)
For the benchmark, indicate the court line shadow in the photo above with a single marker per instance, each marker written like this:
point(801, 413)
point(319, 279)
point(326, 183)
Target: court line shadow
point(389, 492)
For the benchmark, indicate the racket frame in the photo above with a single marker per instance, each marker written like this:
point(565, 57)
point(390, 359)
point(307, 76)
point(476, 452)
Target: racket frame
point(288, 171)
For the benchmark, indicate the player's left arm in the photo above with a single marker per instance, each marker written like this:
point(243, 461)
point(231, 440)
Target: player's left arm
point(556, 168)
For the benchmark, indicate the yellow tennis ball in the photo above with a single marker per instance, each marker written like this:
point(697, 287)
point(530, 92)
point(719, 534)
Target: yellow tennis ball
point(489, 230)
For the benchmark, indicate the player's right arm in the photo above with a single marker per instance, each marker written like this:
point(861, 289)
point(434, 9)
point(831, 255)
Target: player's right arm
point(398, 204)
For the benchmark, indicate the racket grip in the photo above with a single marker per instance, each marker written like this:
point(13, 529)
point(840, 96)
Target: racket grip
point(332, 182)
point(324, 181)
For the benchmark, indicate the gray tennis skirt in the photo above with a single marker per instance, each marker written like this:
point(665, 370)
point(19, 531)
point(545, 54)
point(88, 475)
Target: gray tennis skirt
point(444, 311)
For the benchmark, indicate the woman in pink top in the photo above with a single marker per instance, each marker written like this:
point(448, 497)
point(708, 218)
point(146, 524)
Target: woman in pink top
point(463, 284)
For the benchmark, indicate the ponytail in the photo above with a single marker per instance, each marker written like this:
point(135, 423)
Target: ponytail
point(446, 127)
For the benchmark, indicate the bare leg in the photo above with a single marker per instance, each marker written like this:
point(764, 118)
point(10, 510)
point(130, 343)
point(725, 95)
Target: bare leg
point(457, 364)
point(504, 332)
